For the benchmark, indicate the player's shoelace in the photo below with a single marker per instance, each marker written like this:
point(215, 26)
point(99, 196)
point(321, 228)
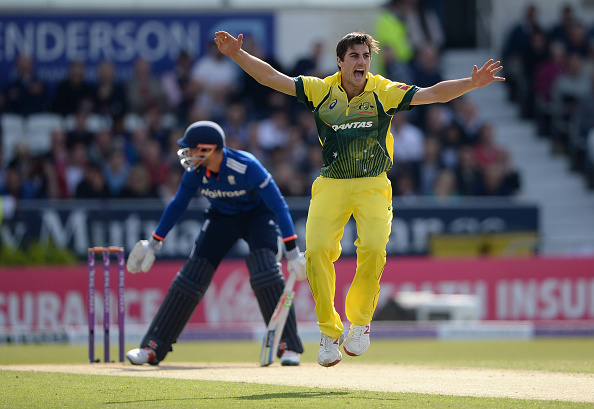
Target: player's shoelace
point(358, 332)
point(328, 344)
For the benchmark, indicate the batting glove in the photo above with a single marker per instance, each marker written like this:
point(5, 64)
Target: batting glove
point(142, 256)
point(296, 264)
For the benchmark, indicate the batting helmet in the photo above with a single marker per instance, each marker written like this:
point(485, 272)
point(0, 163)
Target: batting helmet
point(201, 139)
point(203, 133)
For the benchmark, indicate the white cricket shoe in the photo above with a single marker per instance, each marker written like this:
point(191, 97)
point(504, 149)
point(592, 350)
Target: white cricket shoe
point(357, 341)
point(329, 352)
point(140, 356)
point(290, 358)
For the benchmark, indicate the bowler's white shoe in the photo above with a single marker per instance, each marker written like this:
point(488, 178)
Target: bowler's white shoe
point(329, 352)
point(290, 358)
point(357, 341)
point(140, 356)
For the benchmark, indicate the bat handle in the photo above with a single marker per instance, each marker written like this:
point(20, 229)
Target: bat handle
point(290, 283)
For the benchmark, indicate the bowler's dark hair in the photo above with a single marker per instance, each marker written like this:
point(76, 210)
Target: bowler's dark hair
point(357, 37)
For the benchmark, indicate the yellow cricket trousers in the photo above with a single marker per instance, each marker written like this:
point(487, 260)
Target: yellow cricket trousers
point(333, 202)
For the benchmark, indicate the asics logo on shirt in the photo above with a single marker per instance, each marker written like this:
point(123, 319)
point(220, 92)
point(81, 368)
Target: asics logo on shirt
point(353, 125)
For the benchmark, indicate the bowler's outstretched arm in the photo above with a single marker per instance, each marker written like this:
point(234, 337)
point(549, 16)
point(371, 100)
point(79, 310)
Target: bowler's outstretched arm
point(260, 70)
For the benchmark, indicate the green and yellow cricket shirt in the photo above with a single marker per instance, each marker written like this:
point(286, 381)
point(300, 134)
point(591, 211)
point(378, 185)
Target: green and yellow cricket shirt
point(355, 135)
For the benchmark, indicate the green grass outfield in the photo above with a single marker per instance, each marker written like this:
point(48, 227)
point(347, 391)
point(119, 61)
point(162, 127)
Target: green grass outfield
point(25, 389)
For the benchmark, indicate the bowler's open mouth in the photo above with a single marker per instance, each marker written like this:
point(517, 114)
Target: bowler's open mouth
point(359, 73)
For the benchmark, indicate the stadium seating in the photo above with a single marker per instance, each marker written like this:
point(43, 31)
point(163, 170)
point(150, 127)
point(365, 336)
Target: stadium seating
point(12, 131)
point(133, 121)
point(38, 129)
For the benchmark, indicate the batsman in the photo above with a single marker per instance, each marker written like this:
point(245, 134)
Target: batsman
point(245, 203)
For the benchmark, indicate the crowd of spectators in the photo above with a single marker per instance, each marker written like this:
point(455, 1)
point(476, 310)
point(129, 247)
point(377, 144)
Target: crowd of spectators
point(441, 151)
point(550, 76)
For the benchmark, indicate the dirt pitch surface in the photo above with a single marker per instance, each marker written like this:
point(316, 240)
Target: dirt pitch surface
point(496, 383)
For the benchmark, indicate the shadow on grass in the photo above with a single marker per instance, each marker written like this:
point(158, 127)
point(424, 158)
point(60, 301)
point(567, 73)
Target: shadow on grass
point(260, 397)
point(321, 394)
point(292, 395)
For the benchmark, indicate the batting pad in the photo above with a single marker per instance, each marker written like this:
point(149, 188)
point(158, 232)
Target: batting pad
point(186, 291)
point(268, 284)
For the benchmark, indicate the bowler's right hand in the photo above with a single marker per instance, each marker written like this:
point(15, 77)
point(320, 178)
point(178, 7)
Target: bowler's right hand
point(142, 256)
point(228, 44)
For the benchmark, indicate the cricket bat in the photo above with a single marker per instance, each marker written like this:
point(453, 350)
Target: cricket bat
point(277, 323)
